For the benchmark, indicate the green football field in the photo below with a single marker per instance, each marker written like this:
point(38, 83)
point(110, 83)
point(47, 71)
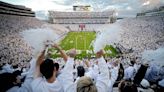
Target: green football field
point(82, 42)
point(78, 40)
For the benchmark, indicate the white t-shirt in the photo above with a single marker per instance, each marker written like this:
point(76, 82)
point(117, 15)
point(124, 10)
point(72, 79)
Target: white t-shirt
point(114, 75)
point(129, 72)
point(26, 85)
point(41, 85)
point(62, 83)
point(7, 68)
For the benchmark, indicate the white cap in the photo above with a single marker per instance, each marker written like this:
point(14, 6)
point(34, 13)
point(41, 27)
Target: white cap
point(145, 83)
point(161, 83)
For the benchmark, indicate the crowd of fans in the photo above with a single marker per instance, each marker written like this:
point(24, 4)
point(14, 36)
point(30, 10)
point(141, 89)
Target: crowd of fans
point(143, 33)
point(19, 72)
point(13, 49)
point(13, 24)
point(81, 20)
point(87, 75)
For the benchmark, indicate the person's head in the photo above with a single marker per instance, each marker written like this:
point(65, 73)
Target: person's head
point(121, 66)
point(127, 86)
point(106, 60)
point(132, 62)
point(0, 67)
point(15, 66)
point(8, 80)
point(115, 63)
point(72, 53)
point(47, 68)
point(17, 73)
point(57, 66)
point(80, 71)
point(85, 84)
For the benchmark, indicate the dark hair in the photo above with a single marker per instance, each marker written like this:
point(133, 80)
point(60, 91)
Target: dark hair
point(47, 68)
point(127, 86)
point(57, 66)
point(15, 66)
point(80, 71)
point(17, 72)
point(132, 62)
point(62, 67)
point(140, 74)
point(0, 67)
point(106, 60)
point(6, 81)
point(120, 73)
point(74, 66)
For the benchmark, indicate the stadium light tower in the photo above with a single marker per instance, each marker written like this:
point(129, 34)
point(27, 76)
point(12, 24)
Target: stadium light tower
point(113, 18)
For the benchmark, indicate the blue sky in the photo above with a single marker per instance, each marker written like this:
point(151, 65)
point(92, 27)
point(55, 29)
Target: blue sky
point(124, 7)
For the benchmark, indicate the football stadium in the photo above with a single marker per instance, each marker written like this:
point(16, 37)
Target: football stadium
point(82, 46)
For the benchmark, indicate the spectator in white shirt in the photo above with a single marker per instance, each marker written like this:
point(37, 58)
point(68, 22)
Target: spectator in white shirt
point(85, 84)
point(130, 71)
point(48, 82)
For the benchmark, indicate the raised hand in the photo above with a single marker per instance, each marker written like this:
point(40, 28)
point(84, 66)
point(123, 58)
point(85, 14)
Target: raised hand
point(56, 46)
point(100, 53)
point(72, 53)
point(87, 63)
point(63, 54)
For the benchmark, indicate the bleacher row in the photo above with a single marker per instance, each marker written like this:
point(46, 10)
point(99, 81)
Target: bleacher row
point(6, 8)
point(81, 21)
point(83, 14)
point(80, 17)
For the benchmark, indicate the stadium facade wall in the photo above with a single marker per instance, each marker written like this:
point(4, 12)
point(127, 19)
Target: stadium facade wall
point(83, 17)
point(10, 9)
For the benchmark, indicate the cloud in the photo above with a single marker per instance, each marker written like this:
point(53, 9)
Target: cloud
point(133, 6)
point(129, 8)
point(47, 5)
point(146, 3)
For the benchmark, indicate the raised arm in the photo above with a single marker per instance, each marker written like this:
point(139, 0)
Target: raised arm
point(40, 58)
point(92, 71)
point(87, 63)
point(63, 54)
point(103, 77)
point(38, 62)
point(66, 76)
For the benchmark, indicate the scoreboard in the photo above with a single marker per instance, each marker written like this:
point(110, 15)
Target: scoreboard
point(82, 8)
